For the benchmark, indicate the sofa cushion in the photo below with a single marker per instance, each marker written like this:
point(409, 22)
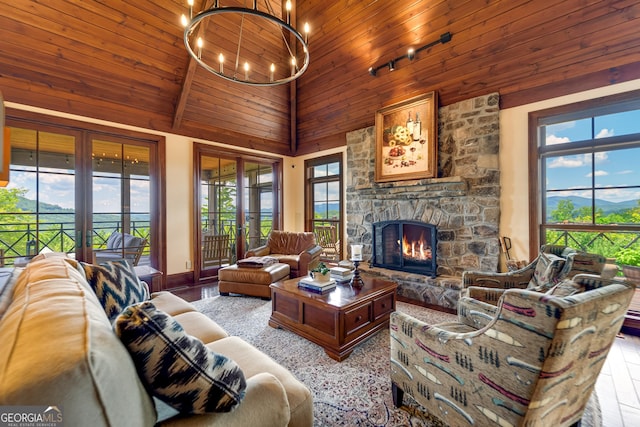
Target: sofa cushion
point(59, 349)
point(176, 367)
point(546, 274)
point(115, 284)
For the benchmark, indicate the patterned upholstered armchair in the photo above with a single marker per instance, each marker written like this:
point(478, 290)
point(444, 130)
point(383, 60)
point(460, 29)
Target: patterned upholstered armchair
point(482, 290)
point(535, 363)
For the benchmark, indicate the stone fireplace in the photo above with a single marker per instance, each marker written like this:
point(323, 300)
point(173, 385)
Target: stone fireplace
point(462, 203)
point(406, 246)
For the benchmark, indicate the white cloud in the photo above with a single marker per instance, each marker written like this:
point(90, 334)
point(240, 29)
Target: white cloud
point(605, 133)
point(567, 162)
point(552, 140)
point(624, 172)
point(598, 173)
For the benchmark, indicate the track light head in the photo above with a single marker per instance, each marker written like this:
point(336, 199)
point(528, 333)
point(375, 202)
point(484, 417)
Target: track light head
point(392, 65)
point(372, 71)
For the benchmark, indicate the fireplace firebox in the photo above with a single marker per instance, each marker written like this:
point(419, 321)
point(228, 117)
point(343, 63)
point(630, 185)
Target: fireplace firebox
point(405, 245)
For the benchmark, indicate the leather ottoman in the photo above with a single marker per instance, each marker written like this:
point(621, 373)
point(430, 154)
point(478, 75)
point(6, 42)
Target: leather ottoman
point(251, 281)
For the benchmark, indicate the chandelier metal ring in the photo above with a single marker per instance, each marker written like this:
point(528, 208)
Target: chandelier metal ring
point(253, 12)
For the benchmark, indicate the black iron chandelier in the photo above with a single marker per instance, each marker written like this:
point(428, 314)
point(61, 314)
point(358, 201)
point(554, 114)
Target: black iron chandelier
point(247, 45)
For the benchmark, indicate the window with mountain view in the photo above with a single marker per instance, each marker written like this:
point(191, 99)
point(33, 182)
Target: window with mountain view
point(324, 202)
point(589, 177)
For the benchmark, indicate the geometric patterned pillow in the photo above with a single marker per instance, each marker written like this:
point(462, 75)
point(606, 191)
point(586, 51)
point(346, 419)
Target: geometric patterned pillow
point(546, 274)
point(176, 367)
point(115, 284)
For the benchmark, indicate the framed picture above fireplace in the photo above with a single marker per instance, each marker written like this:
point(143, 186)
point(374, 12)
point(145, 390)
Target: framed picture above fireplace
point(406, 139)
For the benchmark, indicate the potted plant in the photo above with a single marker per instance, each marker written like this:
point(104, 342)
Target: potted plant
point(320, 273)
point(629, 261)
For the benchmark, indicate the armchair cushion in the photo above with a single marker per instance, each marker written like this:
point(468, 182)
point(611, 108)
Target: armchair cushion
point(289, 243)
point(119, 240)
point(547, 271)
point(176, 367)
point(119, 246)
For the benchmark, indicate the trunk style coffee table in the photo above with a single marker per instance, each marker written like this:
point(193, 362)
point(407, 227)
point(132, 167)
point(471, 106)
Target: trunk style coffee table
point(338, 320)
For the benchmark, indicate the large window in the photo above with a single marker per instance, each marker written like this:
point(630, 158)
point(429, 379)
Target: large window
point(588, 179)
point(324, 204)
point(73, 185)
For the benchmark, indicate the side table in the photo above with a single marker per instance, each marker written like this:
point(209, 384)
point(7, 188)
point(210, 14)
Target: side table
point(150, 275)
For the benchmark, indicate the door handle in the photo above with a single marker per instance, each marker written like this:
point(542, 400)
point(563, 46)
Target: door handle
point(78, 238)
point(89, 240)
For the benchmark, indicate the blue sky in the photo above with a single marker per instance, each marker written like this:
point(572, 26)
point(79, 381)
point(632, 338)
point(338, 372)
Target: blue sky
point(612, 168)
point(59, 189)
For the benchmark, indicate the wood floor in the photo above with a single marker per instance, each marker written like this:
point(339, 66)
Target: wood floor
point(618, 385)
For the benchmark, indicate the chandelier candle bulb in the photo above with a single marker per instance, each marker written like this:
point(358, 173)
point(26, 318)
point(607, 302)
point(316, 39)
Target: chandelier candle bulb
point(306, 32)
point(272, 69)
point(200, 43)
point(221, 60)
point(246, 71)
point(288, 7)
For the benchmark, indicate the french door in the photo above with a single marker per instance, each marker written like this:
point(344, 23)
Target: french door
point(237, 205)
point(71, 188)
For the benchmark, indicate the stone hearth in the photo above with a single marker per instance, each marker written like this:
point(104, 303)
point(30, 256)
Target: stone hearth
point(463, 201)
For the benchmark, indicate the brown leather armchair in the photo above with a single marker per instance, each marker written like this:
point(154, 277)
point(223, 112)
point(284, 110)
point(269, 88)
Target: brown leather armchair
point(298, 249)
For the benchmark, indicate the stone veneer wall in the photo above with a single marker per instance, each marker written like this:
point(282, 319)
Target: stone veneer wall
point(463, 201)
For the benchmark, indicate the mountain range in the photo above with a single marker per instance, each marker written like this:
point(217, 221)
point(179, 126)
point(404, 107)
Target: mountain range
point(580, 202)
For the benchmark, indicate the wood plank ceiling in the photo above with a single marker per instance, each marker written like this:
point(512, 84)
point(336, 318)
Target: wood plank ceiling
point(126, 62)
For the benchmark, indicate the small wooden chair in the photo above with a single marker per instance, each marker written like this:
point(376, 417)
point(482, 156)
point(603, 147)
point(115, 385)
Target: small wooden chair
point(215, 250)
point(326, 236)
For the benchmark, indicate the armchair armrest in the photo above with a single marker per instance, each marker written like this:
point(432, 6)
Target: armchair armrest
point(259, 251)
point(513, 279)
point(265, 404)
point(313, 251)
point(309, 258)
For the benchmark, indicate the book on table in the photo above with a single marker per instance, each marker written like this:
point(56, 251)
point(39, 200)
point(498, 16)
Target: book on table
point(340, 271)
point(313, 285)
point(342, 279)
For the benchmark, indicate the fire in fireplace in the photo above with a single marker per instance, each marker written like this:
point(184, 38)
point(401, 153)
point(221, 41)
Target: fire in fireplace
point(405, 245)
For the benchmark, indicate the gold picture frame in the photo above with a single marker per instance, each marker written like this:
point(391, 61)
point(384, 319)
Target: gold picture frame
point(405, 149)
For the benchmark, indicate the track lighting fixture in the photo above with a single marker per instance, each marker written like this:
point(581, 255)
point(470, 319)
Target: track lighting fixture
point(411, 54)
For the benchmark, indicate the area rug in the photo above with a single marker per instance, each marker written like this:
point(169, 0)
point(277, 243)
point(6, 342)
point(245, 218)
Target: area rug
point(354, 392)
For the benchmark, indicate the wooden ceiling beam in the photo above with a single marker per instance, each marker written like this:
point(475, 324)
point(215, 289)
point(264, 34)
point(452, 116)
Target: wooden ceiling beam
point(190, 71)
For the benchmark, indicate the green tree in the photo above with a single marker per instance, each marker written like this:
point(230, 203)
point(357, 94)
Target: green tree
point(565, 212)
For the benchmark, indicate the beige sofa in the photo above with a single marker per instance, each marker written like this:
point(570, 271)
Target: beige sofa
point(59, 349)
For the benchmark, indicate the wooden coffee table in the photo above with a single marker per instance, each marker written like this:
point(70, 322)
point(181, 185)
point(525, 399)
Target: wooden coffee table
point(338, 320)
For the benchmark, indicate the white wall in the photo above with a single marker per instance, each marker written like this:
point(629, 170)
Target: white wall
point(514, 169)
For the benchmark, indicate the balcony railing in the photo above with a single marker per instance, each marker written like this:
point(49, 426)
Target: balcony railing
point(25, 239)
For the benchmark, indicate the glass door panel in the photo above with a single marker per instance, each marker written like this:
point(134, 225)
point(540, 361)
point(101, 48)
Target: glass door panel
point(258, 203)
point(235, 208)
point(218, 223)
point(121, 201)
point(38, 211)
